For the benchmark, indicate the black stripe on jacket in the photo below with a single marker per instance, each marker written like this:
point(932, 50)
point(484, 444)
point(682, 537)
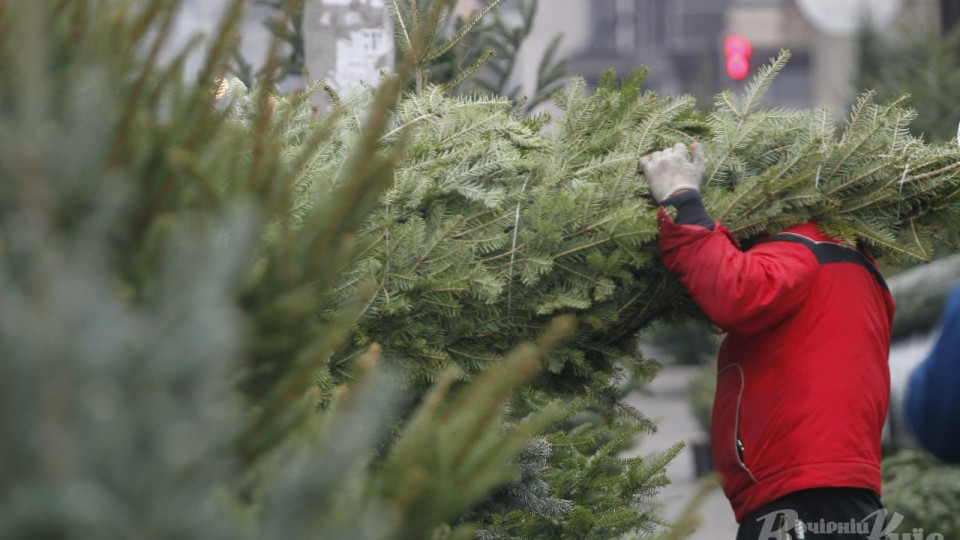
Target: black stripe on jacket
point(829, 252)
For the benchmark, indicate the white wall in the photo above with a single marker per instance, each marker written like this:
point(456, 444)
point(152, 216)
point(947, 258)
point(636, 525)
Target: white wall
point(202, 17)
point(568, 17)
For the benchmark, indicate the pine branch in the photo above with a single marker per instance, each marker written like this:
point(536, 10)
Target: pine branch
point(761, 83)
point(445, 47)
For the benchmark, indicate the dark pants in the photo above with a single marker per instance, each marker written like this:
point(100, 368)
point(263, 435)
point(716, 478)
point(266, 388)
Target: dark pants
point(826, 514)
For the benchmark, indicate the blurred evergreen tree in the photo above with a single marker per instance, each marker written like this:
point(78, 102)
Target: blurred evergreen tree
point(924, 65)
point(924, 492)
point(486, 59)
point(689, 342)
point(286, 26)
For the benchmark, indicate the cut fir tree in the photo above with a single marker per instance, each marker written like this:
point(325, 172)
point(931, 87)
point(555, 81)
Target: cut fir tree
point(495, 223)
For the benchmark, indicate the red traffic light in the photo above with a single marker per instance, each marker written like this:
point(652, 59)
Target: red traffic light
point(738, 50)
point(737, 67)
point(737, 45)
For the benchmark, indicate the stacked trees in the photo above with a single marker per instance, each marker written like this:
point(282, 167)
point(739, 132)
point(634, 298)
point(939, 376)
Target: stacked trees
point(490, 227)
point(920, 63)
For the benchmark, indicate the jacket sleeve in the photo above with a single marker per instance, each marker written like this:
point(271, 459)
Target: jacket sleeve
point(741, 292)
point(933, 394)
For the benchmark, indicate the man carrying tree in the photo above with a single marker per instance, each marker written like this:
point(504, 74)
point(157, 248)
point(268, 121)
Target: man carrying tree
point(802, 379)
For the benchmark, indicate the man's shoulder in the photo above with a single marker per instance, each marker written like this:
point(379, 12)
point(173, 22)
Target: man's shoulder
point(810, 231)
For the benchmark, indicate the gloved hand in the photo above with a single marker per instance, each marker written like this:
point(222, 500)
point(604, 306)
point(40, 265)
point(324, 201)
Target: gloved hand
point(671, 170)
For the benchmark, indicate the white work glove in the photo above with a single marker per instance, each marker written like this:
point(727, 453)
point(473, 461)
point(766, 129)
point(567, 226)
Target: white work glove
point(671, 170)
point(229, 93)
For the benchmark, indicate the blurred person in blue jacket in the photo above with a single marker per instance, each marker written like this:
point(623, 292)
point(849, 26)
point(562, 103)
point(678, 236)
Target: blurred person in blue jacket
point(933, 394)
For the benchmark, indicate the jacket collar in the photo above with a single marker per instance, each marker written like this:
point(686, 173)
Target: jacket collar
point(811, 231)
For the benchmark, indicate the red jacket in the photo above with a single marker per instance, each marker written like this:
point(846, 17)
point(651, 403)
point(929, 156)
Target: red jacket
point(803, 382)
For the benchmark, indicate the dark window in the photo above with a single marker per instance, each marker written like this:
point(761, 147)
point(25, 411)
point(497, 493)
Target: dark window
point(604, 21)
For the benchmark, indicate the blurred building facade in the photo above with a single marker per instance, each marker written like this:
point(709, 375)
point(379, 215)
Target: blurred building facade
point(681, 41)
point(202, 18)
point(676, 39)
